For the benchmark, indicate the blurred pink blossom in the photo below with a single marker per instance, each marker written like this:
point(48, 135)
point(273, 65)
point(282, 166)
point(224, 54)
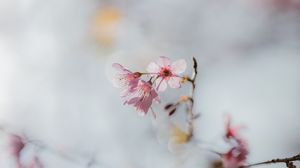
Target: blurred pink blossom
point(166, 73)
point(231, 132)
point(237, 154)
point(16, 146)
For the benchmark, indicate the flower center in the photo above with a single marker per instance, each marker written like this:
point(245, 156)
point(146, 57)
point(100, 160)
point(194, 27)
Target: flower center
point(146, 88)
point(165, 72)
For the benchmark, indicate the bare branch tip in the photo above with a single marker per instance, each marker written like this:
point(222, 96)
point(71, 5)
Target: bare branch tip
point(195, 63)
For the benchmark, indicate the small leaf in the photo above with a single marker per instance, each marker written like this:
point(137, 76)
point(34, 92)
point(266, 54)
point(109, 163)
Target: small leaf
point(168, 106)
point(172, 111)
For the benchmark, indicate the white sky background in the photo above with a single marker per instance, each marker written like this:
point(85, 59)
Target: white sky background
point(54, 77)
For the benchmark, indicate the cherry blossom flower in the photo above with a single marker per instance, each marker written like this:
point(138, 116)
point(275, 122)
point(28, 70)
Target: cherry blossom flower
point(125, 79)
point(142, 97)
point(16, 146)
point(167, 73)
point(230, 131)
point(237, 154)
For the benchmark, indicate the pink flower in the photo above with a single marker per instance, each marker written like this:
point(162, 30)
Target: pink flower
point(126, 79)
point(16, 146)
point(238, 152)
point(231, 132)
point(142, 97)
point(236, 156)
point(166, 73)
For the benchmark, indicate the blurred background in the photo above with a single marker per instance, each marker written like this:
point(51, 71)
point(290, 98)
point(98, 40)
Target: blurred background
point(55, 71)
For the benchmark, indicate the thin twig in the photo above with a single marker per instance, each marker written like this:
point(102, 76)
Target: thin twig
point(72, 157)
point(190, 114)
point(273, 161)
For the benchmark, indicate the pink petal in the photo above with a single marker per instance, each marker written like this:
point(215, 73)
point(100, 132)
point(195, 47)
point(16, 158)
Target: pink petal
point(142, 113)
point(155, 96)
point(161, 85)
point(154, 114)
point(178, 66)
point(16, 145)
point(117, 82)
point(157, 100)
point(163, 61)
point(145, 105)
point(125, 93)
point(174, 82)
point(120, 68)
point(153, 68)
point(132, 101)
point(117, 66)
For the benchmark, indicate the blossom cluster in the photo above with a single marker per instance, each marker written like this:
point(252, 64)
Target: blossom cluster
point(142, 92)
point(140, 89)
point(17, 146)
point(236, 156)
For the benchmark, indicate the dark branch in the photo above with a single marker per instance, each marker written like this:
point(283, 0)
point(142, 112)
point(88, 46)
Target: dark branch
point(190, 114)
point(273, 161)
